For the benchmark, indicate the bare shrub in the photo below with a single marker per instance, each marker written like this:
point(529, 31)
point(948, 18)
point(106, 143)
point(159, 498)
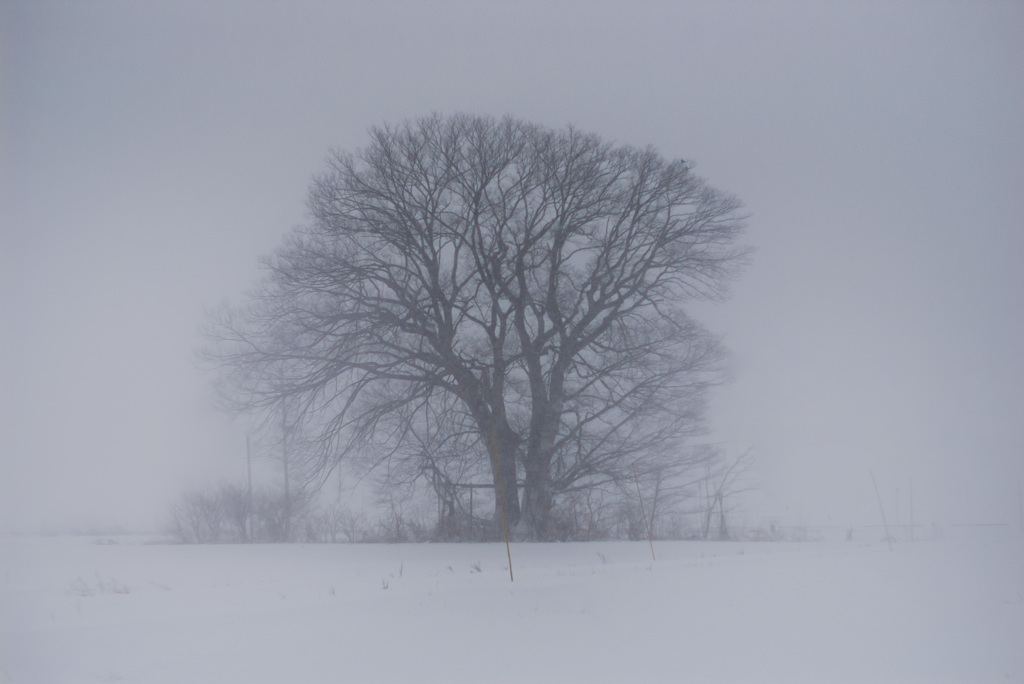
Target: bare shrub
point(236, 507)
point(197, 518)
point(583, 515)
point(330, 524)
point(226, 515)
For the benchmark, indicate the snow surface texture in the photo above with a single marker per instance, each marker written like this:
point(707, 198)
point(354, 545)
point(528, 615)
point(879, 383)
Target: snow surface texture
point(94, 610)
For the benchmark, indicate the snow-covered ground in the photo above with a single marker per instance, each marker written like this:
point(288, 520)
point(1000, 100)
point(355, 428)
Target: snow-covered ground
point(75, 610)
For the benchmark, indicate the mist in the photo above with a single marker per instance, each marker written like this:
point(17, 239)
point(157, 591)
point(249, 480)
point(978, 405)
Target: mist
point(151, 153)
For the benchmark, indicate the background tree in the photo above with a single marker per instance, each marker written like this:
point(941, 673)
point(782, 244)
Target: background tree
point(669, 487)
point(533, 278)
point(724, 480)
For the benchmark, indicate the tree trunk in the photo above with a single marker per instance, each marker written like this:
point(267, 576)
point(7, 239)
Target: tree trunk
point(537, 500)
point(502, 446)
point(538, 496)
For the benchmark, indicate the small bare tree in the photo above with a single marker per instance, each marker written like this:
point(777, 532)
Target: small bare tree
point(670, 486)
point(724, 480)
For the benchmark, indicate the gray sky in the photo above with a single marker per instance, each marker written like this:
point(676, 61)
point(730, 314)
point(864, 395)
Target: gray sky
point(152, 151)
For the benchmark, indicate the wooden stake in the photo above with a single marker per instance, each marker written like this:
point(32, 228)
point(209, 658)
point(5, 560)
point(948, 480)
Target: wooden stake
point(643, 511)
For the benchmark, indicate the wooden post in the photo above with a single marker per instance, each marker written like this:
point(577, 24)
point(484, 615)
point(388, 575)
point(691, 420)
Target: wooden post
point(643, 512)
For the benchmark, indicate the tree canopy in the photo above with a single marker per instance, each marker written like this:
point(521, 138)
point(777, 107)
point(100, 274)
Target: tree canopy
point(491, 296)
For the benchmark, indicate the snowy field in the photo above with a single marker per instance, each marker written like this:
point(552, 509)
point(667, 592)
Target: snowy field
point(79, 609)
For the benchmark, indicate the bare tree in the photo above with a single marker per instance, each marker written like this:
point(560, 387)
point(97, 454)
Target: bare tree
point(282, 437)
point(533, 278)
point(724, 479)
point(671, 485)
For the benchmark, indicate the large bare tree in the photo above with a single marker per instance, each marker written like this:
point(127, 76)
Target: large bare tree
point(531, 281)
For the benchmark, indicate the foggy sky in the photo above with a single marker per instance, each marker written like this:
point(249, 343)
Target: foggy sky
point(152, 151)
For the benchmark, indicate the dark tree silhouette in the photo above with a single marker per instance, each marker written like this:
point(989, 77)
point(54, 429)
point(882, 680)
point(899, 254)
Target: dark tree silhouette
point(529, 281)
